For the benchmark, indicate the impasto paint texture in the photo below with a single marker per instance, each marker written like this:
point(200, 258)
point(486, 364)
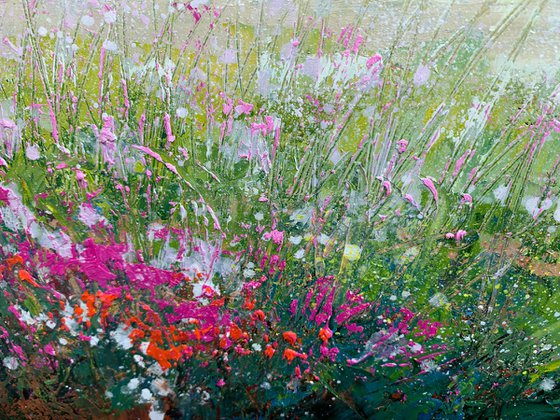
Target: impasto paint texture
point(279, 208)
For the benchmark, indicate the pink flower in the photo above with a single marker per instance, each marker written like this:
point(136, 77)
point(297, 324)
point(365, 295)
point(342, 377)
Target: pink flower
point(49, 349)
point(228, 106)
point(81, 178)
point(389, 365)
point(387, 186)
point(411, 200)
point(107, 139)
point(243, 107)
point(372, 60)
point(430, 185)
point(276, 236)
point(168, 131)
point(6, 123)
point(354, 328)
point(460, 235)
point(293, 306)
point(402, 145)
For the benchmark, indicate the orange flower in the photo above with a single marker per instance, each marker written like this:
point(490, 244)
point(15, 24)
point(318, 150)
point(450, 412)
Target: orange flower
point(89, 300)
point(235, 332)
point(24, 275)
point(156, 336)
point(325, 334)
point(224, 343)
point(269, 351)
point(290, 355)
point(249, 304)
point(218, 302)
point(16, 259)
point(199, 333)
point(136, 334)
point(160, 355)
point(290, 337)
point(107, 298)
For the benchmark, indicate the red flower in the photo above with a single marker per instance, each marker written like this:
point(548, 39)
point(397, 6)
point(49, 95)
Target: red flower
point(249, 304)
point(290, 337)
point(259, 314)
point(269, 351)
point(235, 332)
point(290, 354)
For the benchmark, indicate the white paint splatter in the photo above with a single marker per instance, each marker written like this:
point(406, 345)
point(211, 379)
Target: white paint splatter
point(421, 76)
point(87, 20)
point(110, 46)
point(110, 17)
point(501, 193)
point(32, 152)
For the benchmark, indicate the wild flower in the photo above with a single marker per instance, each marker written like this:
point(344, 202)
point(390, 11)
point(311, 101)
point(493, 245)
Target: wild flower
point(178, 217)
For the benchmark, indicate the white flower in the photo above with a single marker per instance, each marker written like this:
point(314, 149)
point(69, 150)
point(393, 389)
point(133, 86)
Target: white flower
point(146, 395)
point(302, 216)
point(352, 252)
point(198, 3)
point(182, 112)
point(416, 348)
point(139, 360)
point(11, 363)
point(547, 384)
point(120, 335)
point(256, 347)
point(296, 240)
point(133, 384)
point(156, 415)
point(299, 254)
point(88, 215)
point(437, 300)
point(428, 365)
point(161, 387)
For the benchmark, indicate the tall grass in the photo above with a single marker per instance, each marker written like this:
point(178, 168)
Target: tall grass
point(415, 175)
